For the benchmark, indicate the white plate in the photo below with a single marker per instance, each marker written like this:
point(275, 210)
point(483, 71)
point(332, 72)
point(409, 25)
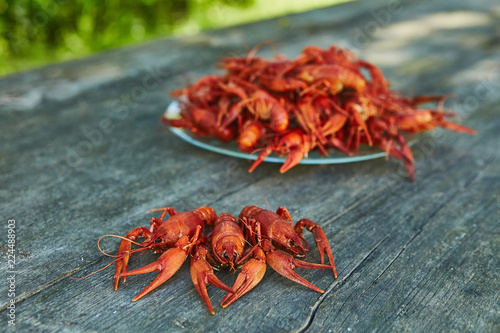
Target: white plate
point(231, 149)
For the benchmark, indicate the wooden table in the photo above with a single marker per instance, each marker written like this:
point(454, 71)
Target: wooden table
point(83, 154)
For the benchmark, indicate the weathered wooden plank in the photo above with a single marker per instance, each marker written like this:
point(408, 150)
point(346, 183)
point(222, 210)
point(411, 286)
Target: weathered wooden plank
point(423, 274)
point(68, 178)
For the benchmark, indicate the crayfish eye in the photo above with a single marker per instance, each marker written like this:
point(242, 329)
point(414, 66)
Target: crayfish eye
point(226, 256)
point(292, 243)
point(235, 255)
point(157, 240)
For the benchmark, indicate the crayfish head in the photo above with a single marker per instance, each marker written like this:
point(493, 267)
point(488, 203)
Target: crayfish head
point(156, 245)
point(229, 250)
point(296, 246)
point(290, 242)
point(290, 141)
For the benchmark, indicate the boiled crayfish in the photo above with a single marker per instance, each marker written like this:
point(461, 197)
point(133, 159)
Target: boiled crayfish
point(325, 99)
point(257, 237)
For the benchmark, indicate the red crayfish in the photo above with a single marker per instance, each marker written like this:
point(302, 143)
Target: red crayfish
point(325, 99)
point(257, 237)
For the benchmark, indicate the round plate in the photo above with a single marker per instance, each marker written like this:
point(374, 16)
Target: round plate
point(231, 149)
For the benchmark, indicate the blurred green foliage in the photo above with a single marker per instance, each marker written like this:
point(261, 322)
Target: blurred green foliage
point(37, 32)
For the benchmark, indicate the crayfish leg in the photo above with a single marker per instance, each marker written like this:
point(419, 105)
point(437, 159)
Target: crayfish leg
point(284, 213)
point(338, 144)
point(262, 156)
point(164, 210)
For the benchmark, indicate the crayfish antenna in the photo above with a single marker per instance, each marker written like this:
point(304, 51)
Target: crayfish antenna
point(86, 276)
point(118, 257)
point(251, 53)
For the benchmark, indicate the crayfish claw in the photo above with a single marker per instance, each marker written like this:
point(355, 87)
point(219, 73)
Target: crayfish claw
point(251, 274)
point(122, 263)
point(457, 127)
point(124, 252)
point(261, 157)
point(321, 241)
point(168, 263)
point(294, 157)
point(284, 264)
point(202, 273)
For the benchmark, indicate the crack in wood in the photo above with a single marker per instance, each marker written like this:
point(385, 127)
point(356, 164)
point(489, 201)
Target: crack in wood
point(321, 299)
point(76, 270)
point(359, 265)
point(358, 202)
point(373, 298)
point(228, 194)
point(455, 195)
point(335, 283)
point(47, 285)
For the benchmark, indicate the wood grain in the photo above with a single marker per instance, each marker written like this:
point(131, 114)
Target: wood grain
point(83, 154)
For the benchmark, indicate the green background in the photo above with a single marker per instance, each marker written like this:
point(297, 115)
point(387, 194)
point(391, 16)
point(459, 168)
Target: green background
point(38, 32)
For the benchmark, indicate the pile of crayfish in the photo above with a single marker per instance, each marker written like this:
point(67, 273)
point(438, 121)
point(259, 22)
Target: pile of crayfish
point(323, 99)
point(257, 237)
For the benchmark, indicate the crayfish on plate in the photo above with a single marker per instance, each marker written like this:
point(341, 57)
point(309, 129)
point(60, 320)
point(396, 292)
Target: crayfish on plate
point(324, 100)
point(256, 238)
